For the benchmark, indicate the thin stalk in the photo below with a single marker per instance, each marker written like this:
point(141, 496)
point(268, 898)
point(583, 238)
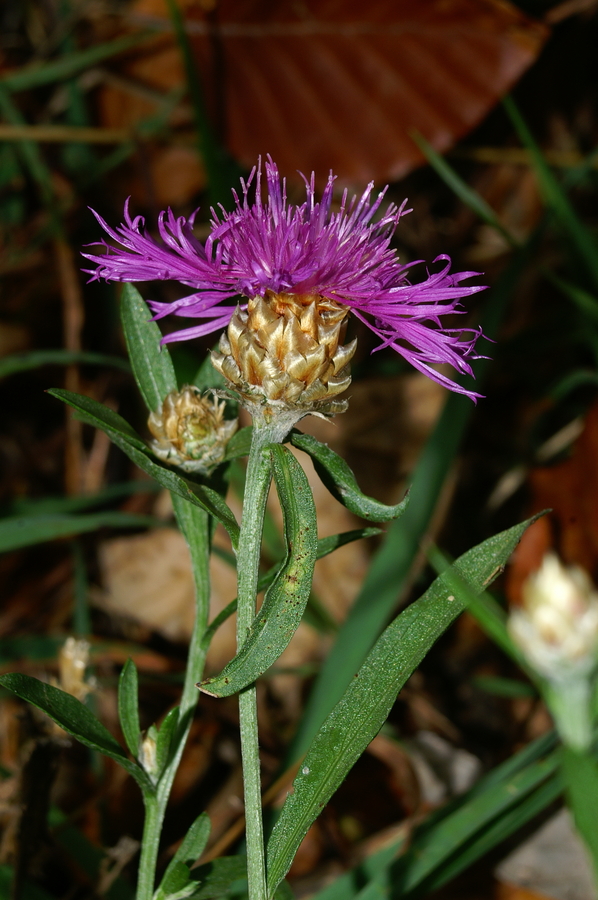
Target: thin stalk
point(581, 778)
point(195, 526)
point(257, 484)
point(150, 843)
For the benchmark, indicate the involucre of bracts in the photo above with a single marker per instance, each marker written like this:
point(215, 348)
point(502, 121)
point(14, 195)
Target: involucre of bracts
point(284, 352)
point(190, 430)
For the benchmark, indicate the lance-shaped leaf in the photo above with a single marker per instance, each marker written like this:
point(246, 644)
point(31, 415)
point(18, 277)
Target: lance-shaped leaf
point(128, 706)
point(201, 495)
point(364, 707)
point(240, 444)
point(285, 600)
point(325, 546)
point(74, 718)
point(216, 879)
point(340, 481)
point(152, 365)
point(165, 739)
point(176, 880)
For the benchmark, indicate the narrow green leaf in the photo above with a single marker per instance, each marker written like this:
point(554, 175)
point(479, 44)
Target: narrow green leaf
point(128, 706)
point(349, 885)
point(151, 362)
point(325, 546)
point(40, 73)
point(21, 362)
point(166, 733)
point(239, 445)
point(215, 878)
point(555, 197)
point(475, 834)
point(504, 687)
point(74, 718)
point(26, 506)
point(435, 843)
point(178, 880)
point(192, 845)
point(504, 825)
point(489, 614)
point(285, 601)
point(93, 413)
point(340, 481)
point(23, 531)
point(176, 883)
point(361, 712)
point(199, 494)
point(334, 541)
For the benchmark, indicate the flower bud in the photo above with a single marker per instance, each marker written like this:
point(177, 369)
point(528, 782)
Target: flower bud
point(190, 431)
point(148, 756)
point(557, 630)
point(284, 356)
point(557, 627)
point(73, 660)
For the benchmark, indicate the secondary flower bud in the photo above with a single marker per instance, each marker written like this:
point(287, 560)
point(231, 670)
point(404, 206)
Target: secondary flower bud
point(73, 660)
point(557, 626)
point(283, 355)
point(190, 431)
point(147, 756)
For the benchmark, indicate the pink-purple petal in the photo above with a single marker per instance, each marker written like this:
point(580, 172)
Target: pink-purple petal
point(344, 255)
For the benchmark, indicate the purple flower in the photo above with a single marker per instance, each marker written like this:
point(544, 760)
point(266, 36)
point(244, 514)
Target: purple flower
point(308, 249)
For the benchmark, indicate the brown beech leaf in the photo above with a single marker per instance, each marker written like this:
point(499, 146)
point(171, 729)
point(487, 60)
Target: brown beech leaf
point(342, 84)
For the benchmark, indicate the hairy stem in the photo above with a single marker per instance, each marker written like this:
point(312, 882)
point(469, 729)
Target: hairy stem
point(257, 484)
point(195, 526)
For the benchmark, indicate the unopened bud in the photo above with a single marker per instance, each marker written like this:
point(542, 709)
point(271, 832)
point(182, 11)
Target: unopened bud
point(283, 356)
point(73, 660)
point(557, 630)
point(190, 431)
point(557, 626)
point(147, 756)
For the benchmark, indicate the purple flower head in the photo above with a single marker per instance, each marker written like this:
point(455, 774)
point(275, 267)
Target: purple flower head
point(307, 249)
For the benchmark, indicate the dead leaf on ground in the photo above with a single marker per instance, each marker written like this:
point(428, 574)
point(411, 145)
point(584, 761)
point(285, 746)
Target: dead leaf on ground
point(323, 85)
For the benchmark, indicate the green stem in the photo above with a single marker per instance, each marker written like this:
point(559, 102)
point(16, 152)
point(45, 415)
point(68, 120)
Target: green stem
point(150, 843)
point(195, 526)
point(581, 777)
point(257, 484)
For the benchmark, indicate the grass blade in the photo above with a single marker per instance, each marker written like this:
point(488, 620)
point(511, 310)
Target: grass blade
point(21, 362)
point(152, 365)
point(43, 73)
point(23, 531)
point(555, 197)
point(462, 190)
